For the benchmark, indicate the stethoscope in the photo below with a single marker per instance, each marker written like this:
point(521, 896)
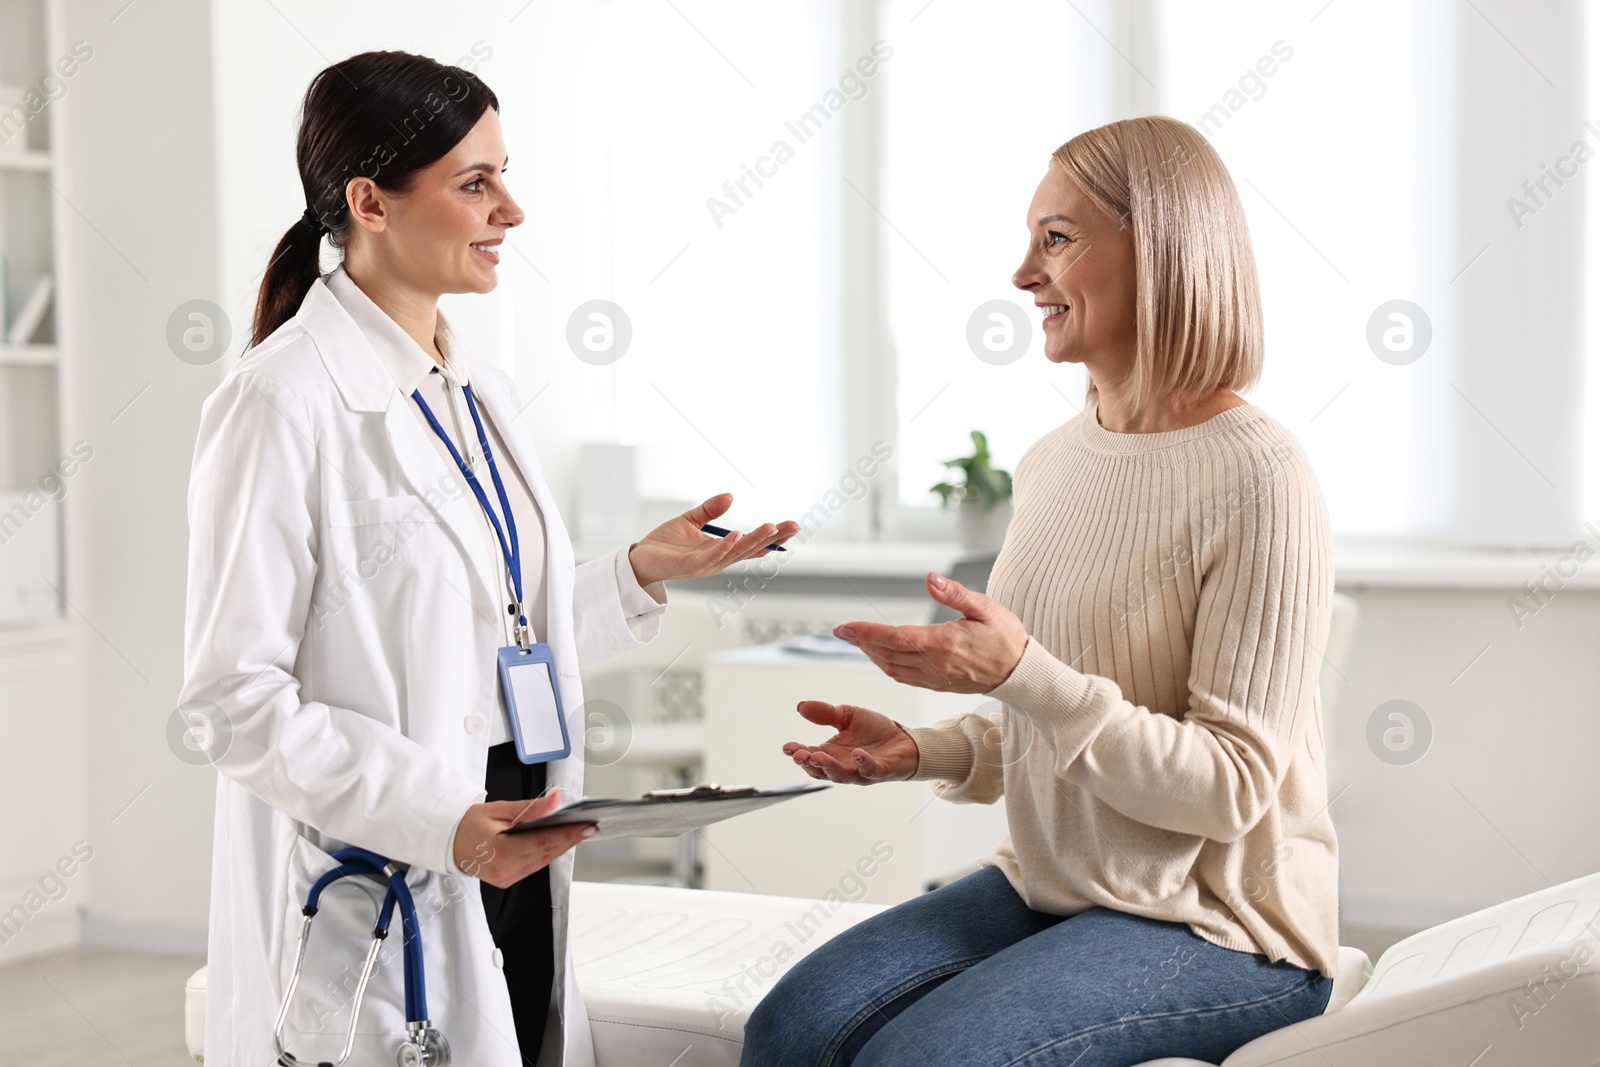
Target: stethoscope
point(423, 1046)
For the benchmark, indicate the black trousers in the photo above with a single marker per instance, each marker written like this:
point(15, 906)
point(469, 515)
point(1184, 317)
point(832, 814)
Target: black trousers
point(519, 917)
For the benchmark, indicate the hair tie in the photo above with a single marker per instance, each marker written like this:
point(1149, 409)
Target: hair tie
point(313, 222)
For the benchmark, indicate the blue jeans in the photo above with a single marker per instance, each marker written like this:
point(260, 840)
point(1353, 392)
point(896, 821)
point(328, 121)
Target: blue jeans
point(969, 975)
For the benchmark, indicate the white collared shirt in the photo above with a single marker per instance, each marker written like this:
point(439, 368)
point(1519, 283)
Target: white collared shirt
point(412, 368)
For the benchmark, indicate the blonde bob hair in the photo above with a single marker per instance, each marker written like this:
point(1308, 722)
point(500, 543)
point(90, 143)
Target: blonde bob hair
point(1198, 302)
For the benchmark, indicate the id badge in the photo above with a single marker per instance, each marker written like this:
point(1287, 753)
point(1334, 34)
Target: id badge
point(533, 702)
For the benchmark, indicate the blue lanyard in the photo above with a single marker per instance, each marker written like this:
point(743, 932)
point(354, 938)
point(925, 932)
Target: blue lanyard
point(511, 551)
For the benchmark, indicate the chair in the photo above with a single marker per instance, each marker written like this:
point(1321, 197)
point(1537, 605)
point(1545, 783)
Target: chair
point(972, 572)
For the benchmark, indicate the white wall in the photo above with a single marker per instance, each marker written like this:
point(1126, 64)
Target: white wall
point(1503, 801)
point(139, 239)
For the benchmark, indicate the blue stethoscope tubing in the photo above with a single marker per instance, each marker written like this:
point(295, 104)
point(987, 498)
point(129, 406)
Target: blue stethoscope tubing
point(359, 861)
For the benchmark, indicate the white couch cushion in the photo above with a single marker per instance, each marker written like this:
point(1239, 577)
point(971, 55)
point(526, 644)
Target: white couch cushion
point(1519, 978)
point(671, 975)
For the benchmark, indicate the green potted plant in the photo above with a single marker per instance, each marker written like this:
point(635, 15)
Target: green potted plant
point(983, 497)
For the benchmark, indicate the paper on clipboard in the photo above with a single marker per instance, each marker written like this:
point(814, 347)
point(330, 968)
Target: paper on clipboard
point(665, 816)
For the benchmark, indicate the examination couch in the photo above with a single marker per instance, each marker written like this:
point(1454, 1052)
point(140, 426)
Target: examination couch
point(670, 976)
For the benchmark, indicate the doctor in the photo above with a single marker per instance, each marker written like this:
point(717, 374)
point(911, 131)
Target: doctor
point(350, 589)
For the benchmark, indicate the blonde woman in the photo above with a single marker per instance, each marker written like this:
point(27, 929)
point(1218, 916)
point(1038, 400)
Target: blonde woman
point(1152, 634)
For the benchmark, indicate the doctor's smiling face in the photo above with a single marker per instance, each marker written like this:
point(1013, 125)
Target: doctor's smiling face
point(1079, 268)
point(444, 232)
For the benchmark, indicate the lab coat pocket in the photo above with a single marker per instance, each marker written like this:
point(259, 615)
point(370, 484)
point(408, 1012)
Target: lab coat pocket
point(371, 550)
point(341, 935)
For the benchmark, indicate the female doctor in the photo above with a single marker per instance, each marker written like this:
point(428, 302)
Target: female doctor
point(350, 590)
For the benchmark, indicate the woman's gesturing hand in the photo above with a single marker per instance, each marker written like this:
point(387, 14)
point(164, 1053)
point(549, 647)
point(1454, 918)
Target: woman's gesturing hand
point(678, 548)
point(484, 850)
point(866, 747)
point(972, 654)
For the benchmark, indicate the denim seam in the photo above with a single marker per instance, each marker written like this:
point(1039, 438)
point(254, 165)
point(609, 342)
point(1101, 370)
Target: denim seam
point(1217, 1010)
point(895, 991)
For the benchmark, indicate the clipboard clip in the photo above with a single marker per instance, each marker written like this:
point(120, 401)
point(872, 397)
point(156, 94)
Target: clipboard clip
point(706, 790)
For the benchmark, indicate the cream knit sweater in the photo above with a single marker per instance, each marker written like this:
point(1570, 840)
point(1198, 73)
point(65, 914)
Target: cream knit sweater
point(1160, 744)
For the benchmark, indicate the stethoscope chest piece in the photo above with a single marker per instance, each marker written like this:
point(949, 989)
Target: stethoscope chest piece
point(425, 1047)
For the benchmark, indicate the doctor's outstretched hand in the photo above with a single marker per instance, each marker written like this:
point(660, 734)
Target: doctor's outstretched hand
point(972, 654)
point(678, 548)
point(484, 850)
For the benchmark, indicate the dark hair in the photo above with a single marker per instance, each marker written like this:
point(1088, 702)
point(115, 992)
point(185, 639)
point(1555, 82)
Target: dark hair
point(379, 115)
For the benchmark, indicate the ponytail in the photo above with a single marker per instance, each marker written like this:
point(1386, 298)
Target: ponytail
point(293, 271)
point(348, 123)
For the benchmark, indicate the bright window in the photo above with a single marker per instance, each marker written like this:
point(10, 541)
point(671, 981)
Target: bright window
point(714, 239)
point(1322, 162)
point(979, 94)
point(1375, 147)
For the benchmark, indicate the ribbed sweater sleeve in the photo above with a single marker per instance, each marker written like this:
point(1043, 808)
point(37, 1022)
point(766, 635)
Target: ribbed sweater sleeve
point(964, 756)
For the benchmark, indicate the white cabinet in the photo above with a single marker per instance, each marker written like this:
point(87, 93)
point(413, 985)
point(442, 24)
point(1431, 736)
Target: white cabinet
point(41, 756)
point(835, 840)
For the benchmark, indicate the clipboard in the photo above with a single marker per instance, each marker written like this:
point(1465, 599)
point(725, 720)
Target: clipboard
point(666, 812)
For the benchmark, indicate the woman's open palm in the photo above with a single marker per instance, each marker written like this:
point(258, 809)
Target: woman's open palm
point(866, 747)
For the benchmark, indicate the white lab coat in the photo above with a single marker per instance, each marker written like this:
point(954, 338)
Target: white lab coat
point(340, 601)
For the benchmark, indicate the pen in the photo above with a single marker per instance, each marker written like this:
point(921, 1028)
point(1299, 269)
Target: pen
point(720, 532)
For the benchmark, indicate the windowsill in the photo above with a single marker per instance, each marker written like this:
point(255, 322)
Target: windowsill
point(1373, 565)
point(838, 558)
point(1357, 565)
point(863, 559)
point(38, 635)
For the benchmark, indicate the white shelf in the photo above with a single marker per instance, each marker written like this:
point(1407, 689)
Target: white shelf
point(31, 410)
point(27, 355)
point(28, 160)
